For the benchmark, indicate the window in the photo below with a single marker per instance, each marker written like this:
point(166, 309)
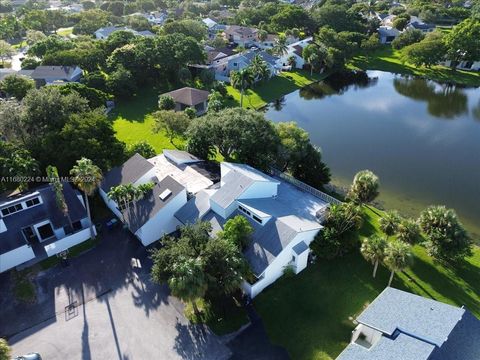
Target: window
point(28, 233)
point(32, 202)
point(77, 225)
point(257, 219)
point(12, 209)
point(45, 231)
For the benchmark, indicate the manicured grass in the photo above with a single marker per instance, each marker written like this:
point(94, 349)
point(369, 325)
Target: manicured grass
point(273, 89)
point(311, 314)
point(132, 121)
point(388, 59)
point(23, 287)
point(222, 317)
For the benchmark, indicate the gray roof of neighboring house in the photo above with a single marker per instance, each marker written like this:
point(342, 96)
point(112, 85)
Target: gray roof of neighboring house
point(241, 30)
point(300, 247)
point(129, 172)
point(403, 347)
point(48, 210)
point(388, 31)
point(144, 33)
point(270, 59)
point(426, 319)
point(421, 25)
point(188, 96)
point(195, 208)
point(145, 209)
point(59, 72)
point(108, 30)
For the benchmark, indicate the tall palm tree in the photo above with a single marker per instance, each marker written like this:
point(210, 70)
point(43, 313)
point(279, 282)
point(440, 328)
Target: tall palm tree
point(57, 186)
point(118, 194)
point(373, 250)
point(259, 68)
point(87, 176)
point(262, 35)
point(397, 257)
point(389, 222)
point(242, 79)
point(188, 280)
point(281, 47)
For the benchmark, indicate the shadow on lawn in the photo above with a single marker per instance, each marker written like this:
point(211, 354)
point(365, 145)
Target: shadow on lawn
point(139, 106)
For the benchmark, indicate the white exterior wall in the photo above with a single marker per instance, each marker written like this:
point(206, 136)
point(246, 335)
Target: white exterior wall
point(276, 268)
point(69, 241)
point(164, 221)
point(259, 190)
point(16, 257)
point(112, 205)
point(462, 65)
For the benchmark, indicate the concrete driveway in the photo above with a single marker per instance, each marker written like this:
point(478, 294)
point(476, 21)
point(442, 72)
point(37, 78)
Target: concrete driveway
point(104, 306)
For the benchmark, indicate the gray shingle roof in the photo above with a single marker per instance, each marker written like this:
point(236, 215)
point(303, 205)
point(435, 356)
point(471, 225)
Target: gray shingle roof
point(188, 96)
point(132, 170)
point(145, 209)
point(60, 72)
point(249, 55)
point(235, 183)
point(427, 319)
point(48, 210)
point(195, 208)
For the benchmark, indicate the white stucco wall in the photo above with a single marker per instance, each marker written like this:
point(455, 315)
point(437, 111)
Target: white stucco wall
point(16, 257)
point(69, 241)
point(259, 190)
point(164, 222)
point(110, 204)
point(276, 268)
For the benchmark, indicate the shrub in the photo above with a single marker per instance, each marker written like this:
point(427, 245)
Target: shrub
point(166, 102)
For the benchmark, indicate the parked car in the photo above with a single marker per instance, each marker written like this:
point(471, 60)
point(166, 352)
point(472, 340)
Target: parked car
point(29, 356)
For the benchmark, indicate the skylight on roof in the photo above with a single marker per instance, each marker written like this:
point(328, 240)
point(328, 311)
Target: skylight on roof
point(164, 195)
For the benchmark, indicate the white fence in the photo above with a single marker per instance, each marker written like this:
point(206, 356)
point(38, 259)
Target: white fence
point(301, 185)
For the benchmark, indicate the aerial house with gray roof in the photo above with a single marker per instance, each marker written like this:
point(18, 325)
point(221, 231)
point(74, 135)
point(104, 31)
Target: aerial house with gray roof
point(399, 325)
point(32, 226)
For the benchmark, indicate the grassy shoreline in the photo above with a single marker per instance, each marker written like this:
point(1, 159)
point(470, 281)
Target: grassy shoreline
point(312, 314)
point(388, 59)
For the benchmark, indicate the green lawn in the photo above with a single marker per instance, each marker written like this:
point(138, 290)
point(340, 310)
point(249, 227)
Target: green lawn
point(132, 121)
point(311, 314)
point(388, 59)
point(273, 89)
point(65, 31)
point(23, 287)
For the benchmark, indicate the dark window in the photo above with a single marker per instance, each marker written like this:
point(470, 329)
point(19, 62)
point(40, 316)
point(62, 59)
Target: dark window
point(28, 232)
point(77, 225)
point(5, 212)
point(32, 202)
point(257, 219)
point(45, 231)
point(12, 209)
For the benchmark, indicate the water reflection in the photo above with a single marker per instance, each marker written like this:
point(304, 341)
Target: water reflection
point(337, 84)
point(443, 101)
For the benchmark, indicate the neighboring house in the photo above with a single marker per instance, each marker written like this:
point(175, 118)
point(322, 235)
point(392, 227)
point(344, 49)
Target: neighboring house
point(295, 50)
point(213, 27)
point(104, 33)
point(189, 97)
point(156, 17)
point(32, 227)
point(285, 219)
point(53, 75)
point(399, 325)
point(387, 34)
point(463, 65)
point(241, 35)
point(416, 23)
point(225, 66)
point(176, 175)
point(271, 41)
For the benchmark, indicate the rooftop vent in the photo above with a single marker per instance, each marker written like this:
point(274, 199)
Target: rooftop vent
point(164, 195)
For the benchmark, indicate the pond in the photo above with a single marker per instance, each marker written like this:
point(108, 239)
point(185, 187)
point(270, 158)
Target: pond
point(420, 137)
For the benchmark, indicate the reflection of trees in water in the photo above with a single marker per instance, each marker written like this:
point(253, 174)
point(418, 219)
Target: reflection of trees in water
point(337, 84)
point(444, 101)
point(476, 112)
point(278, 104)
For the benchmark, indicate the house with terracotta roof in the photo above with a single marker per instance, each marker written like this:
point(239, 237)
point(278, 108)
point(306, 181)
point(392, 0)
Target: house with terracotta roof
point(188, 97)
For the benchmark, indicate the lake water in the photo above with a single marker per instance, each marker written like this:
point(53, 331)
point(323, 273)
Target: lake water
point(420, 137)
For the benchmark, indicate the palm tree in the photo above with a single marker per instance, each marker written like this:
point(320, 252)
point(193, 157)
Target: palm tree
point(188, 280)
point(292, 62)
point(259, 68)
point(281, 47)
point(373, 250)
point(242, 79)
point(389, 222)
point(262, 35)
point(87, 176)
point(397, 257)
point(118, 194)
point(365, 186)
point(408, 231)
point(57, 186)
